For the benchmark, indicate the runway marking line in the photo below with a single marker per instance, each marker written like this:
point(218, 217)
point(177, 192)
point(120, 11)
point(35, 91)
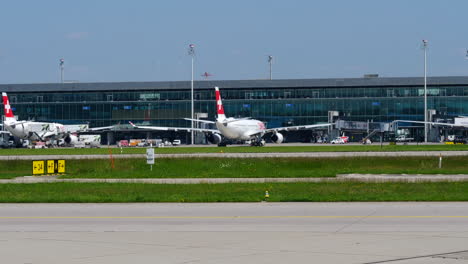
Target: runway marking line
point(234, 217)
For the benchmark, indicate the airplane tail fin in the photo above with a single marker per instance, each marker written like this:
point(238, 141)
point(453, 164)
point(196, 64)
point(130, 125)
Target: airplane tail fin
point(219, 106)
point(9, 117)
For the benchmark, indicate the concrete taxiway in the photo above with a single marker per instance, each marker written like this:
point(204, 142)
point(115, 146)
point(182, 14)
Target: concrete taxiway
point(235, 233)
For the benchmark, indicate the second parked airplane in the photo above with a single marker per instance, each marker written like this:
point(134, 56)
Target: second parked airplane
point(242, 129)
point(41, 131)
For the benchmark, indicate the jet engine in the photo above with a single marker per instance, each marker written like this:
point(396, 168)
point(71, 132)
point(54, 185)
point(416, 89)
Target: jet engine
point(71, 139)
point(214, 138)
point(277, 138)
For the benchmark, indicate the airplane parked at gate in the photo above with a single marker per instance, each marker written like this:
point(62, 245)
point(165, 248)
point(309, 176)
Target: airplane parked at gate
point(42, 131)
point(244, 129)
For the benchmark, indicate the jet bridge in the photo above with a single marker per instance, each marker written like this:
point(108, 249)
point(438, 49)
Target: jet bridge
point(362, 130)
point(364, 126)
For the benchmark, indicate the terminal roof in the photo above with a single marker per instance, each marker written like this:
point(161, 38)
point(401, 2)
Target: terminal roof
point(237, 84)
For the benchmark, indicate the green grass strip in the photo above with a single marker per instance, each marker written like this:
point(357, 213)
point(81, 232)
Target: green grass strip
point(279, 192)
point(236, 149)
point(246, 168)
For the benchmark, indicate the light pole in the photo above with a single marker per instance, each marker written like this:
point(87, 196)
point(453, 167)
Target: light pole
point(191, 52)
point(62, 67)
point(270, 61)
point(425, 89)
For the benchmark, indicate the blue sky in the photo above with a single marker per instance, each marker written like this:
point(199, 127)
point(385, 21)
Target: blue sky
point(103, 40)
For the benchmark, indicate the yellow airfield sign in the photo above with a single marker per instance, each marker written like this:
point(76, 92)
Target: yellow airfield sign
point(61, 166)
point(48, 166)
point(38, 167)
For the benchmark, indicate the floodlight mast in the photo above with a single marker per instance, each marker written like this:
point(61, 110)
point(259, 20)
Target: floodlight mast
point(270, 61)
point(425, 42)
point(62, 67)
point(191, 52)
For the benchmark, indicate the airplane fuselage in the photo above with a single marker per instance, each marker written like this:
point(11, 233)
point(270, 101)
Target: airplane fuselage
point(34, 130)
point(240, 129)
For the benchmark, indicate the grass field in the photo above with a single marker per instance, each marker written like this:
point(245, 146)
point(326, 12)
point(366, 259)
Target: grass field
point(279, 192)
point(237, 149)
point(250, 168)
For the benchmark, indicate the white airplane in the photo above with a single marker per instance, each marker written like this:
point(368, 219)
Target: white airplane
point(244, 129)
point(42, 131)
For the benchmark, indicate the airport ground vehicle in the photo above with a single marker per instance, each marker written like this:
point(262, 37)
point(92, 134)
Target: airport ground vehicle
point(40, 145)
point(148, 142)
point(79, 145)
point(134, 142)
point(138, 142)
point(122, 143)
point(340, 140)
point(7, 144)
point(459, 140)
point(403, 138)
point(337, 140)
point(6, 140)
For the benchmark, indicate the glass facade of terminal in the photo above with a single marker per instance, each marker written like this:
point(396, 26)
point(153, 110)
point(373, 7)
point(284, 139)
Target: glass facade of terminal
point(277, 106)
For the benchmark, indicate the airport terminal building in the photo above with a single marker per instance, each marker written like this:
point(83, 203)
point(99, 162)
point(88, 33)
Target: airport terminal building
point(277, 102)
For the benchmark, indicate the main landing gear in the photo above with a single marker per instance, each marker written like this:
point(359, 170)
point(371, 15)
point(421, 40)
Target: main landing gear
point(257, 142)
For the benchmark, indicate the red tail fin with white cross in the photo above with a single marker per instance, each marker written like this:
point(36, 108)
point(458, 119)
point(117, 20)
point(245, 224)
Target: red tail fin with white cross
point(9, 117)
point(219, 106)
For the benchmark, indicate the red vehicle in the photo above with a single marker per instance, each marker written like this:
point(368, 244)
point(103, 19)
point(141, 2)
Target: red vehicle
point(123, 143)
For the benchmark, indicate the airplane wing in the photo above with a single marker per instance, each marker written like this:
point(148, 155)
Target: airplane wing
point(176, 128)
point(76, 128)
point(431, 123)
point(100, 128)
point(296, 127)
point(199, 120)
point(85, 128)
point(227, 121)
